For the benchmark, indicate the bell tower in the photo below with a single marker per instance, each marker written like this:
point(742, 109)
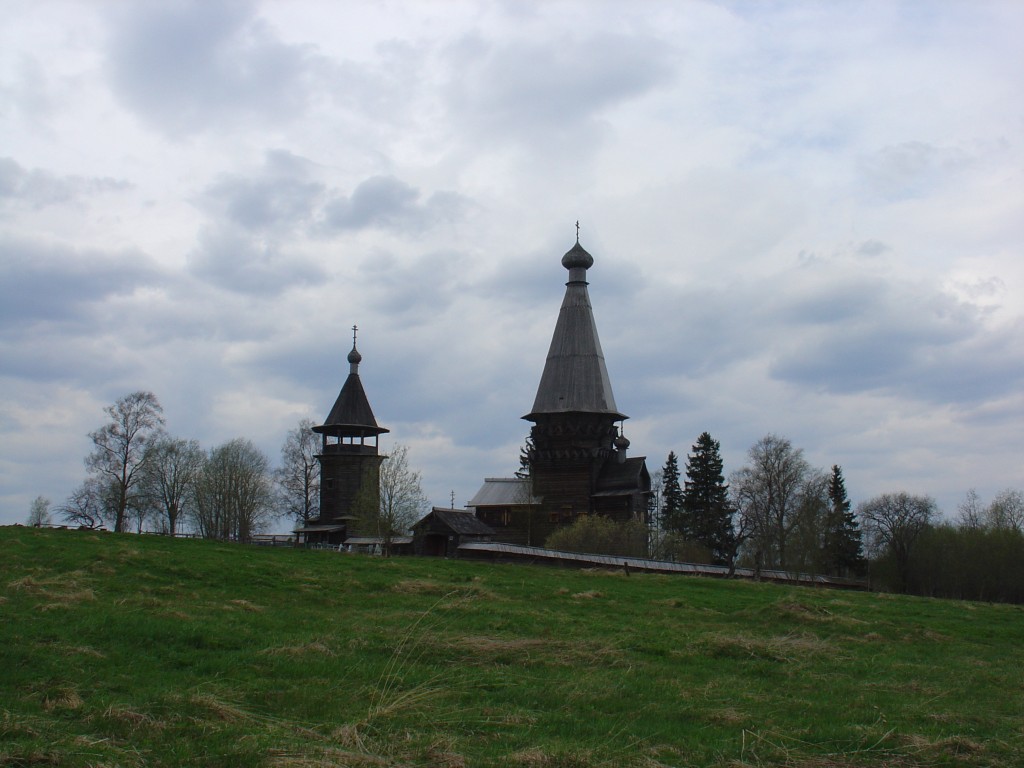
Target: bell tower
point(349, 454)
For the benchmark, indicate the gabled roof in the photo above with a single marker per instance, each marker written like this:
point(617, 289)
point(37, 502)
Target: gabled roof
point(351, 415)
point(575, 377)
point(459, 521)
point(628, 475)
point(503, 491)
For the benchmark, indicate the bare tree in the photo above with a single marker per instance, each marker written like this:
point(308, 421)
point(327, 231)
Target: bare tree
point(807, 546)
point(168, 481)
point(893, 522)
point(770, 494)
point(119, 452)
point(298, 478)
point(39, 512)
point(90, 504)
point(970, 514)
point(1006, 512)
point(401, 501)
point(234, 494)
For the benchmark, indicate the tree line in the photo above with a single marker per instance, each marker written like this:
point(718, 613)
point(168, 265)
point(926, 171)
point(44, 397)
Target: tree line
point(779, 512)
point(139, 477)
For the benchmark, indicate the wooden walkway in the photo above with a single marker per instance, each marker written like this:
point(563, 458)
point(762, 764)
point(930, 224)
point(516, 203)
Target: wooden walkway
point(486, 550)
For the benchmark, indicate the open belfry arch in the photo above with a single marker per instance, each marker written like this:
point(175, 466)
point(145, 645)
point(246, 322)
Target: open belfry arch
point(349, 458)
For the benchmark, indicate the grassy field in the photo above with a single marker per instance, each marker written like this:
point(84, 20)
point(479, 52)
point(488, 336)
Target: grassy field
point(120, 650)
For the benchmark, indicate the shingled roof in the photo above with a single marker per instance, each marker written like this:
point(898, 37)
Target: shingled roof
point(458, 521)
point(351, 415)
point(503, 491)
point(621, 478)
point(575, 377)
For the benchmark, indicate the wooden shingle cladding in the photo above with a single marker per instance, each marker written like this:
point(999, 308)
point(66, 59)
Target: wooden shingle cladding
point(343, 473)
point(575, 378)
point(507, 506)
point(349, 456)
point(351, 417)
point(624, 490)
point(578, 463)
point(442, 531)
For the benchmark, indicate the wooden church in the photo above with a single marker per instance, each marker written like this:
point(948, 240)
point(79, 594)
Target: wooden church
point(578, 456)
point(578, 459)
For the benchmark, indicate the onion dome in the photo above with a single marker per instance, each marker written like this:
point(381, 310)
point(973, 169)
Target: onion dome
point(575, 377)
point(577, 256)
point(351, 415)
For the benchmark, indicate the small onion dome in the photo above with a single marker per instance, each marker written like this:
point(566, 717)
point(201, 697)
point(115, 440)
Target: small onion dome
point(622, 442)
point(577, 257)
point(354, 357)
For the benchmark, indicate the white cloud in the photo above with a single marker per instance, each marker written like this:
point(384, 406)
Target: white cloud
point(189, 66)
point(806, 219)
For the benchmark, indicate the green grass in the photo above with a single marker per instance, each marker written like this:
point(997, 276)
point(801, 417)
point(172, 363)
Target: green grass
point(143, 651)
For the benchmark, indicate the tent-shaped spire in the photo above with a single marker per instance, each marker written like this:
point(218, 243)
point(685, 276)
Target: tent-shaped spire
point(575, 378)
point(351, 415)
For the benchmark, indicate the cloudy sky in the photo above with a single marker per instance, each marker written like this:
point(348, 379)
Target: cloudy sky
point(807, 219)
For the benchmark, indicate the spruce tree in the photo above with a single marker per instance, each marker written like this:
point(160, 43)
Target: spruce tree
point(671, 496)
point(707, 514)
point(525, 454)
point(844, 554)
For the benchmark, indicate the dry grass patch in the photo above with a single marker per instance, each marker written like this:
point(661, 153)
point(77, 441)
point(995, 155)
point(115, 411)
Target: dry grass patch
point(539, 758)
point(325, 757)
point(314, 646)
point(726, 716)
point(60, 592)
point(68, 599)
point(80, 650)
point(62, 699)
point(32, 584)
point(492, 646)
point(769, 748)
point(591, 594)
point(12, 727)
point(220, 709)
point(245, 605)
point(419, 587)
point(133, 718)
point(672, 602)
point(483, 650)
point(500, 717)
point(784, 648)
point(951, 746)
point(818, 614)
point(469, 591)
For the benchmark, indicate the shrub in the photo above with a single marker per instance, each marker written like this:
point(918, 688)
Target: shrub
point(599, 535)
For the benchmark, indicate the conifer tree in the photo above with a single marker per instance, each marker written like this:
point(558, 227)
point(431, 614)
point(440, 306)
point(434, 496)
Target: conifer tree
point(707, 513)
point(525, 458)
point(844, 553)
point(671, 497)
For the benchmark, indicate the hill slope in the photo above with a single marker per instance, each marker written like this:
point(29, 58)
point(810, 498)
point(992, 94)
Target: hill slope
point(143, 651)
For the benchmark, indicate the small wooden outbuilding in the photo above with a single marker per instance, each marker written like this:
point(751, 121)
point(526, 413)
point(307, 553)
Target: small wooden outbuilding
point(441, 531)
